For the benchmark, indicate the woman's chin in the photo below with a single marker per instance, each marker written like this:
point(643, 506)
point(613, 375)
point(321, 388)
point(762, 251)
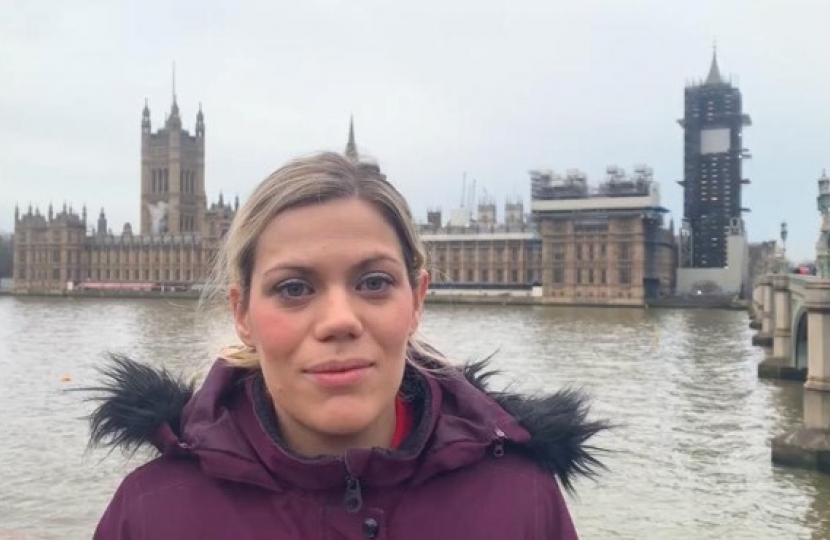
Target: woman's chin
point(344, 417)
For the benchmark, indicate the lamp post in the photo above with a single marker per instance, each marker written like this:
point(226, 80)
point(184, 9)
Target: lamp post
point(783, 267)
point(822, 248)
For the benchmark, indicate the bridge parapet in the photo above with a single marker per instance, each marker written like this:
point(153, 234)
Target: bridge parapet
point(808, 311)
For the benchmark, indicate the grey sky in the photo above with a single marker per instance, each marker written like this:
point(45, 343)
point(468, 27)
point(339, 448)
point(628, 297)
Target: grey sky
point(437, 88)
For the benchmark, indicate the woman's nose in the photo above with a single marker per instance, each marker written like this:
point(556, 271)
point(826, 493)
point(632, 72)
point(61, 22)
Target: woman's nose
point(337, 316)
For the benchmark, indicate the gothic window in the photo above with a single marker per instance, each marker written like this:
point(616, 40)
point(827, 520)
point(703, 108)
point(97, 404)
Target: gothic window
point(558, 275)
point(625, 276)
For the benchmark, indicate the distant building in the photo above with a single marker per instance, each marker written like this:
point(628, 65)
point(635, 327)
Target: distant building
point(712, 170)
point(179, 232)
point(714, 252)
point(579, 245)
point(607, 245)
point(479, 253)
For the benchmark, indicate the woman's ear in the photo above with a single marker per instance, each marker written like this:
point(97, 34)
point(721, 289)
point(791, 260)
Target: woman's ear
point(418, 297)
point(239, 307)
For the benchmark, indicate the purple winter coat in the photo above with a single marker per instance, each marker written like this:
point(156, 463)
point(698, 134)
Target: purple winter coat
point(476, 466)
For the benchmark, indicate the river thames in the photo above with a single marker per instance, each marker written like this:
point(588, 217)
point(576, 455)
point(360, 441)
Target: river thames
point(690, 457)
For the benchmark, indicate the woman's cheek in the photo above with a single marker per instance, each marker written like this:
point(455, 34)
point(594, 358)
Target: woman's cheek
point(275, 328)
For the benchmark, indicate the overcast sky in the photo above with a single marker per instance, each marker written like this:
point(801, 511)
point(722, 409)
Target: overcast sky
point(437, 88)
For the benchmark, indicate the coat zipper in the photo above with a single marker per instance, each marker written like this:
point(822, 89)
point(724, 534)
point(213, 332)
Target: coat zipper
point(498, 449)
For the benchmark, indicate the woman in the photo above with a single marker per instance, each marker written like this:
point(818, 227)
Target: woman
point(333, 420)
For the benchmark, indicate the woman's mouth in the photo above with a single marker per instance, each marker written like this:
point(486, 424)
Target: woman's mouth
point(335, 374)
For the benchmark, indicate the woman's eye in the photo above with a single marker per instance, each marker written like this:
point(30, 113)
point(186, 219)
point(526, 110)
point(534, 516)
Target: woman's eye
point(293, 289)
point(376, 283)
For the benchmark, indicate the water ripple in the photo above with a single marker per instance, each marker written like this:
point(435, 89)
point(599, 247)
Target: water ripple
point(689, 457)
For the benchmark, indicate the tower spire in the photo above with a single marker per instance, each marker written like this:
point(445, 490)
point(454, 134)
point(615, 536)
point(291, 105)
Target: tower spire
point(145, 117)
point(174, 120)
point(714, 76)
point(351, 147)
point(200, 122)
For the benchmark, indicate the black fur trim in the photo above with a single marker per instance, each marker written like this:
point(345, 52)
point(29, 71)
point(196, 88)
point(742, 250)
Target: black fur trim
point(135, 401)
point(558, 425)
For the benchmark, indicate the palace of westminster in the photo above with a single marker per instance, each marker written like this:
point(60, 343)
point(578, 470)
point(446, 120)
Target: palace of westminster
point(579, 244)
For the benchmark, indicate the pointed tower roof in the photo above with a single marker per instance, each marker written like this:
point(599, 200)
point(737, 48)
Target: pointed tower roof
point(145, 117)
point(174, 120)
point(351, 147)
point(714, 76)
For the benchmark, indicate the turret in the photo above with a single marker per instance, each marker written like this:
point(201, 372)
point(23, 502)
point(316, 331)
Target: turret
point(145, 119)
point(200, 124)
point(51, 214)
point(434, 218)
point(102, 223)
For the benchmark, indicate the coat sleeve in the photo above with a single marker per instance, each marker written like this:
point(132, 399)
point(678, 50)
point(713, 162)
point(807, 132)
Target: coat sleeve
point(122, 518)
point(553, 520)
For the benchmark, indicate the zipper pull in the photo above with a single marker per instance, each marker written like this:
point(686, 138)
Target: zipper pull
point(353, 498)
point(498, 449)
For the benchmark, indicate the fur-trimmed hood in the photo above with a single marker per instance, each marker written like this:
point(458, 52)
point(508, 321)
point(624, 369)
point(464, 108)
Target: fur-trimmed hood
point(141, 405)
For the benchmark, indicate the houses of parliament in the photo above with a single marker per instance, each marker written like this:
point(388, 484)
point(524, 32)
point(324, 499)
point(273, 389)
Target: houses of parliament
point(579, 244)
point(178, 236)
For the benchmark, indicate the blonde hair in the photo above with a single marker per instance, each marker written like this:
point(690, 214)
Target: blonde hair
point(304, 182)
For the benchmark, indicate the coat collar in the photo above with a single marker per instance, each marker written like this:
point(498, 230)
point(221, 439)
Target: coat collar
point(455, 426)
point(461, 420)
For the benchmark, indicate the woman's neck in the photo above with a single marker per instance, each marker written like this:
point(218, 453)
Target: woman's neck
point(308, 442)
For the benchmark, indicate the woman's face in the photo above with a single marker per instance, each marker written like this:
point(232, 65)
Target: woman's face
point(330, 312)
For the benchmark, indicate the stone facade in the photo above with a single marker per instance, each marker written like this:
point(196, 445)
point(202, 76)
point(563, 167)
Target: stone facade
point(483, 254)
point(180, 234)
point(604, 246)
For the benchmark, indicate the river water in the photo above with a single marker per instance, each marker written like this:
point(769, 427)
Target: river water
point(690, 457)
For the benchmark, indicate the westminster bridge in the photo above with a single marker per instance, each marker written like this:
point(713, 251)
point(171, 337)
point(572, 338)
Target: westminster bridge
point(792, 315)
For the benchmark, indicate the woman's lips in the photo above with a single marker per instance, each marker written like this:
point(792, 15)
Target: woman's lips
point(339, 374)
